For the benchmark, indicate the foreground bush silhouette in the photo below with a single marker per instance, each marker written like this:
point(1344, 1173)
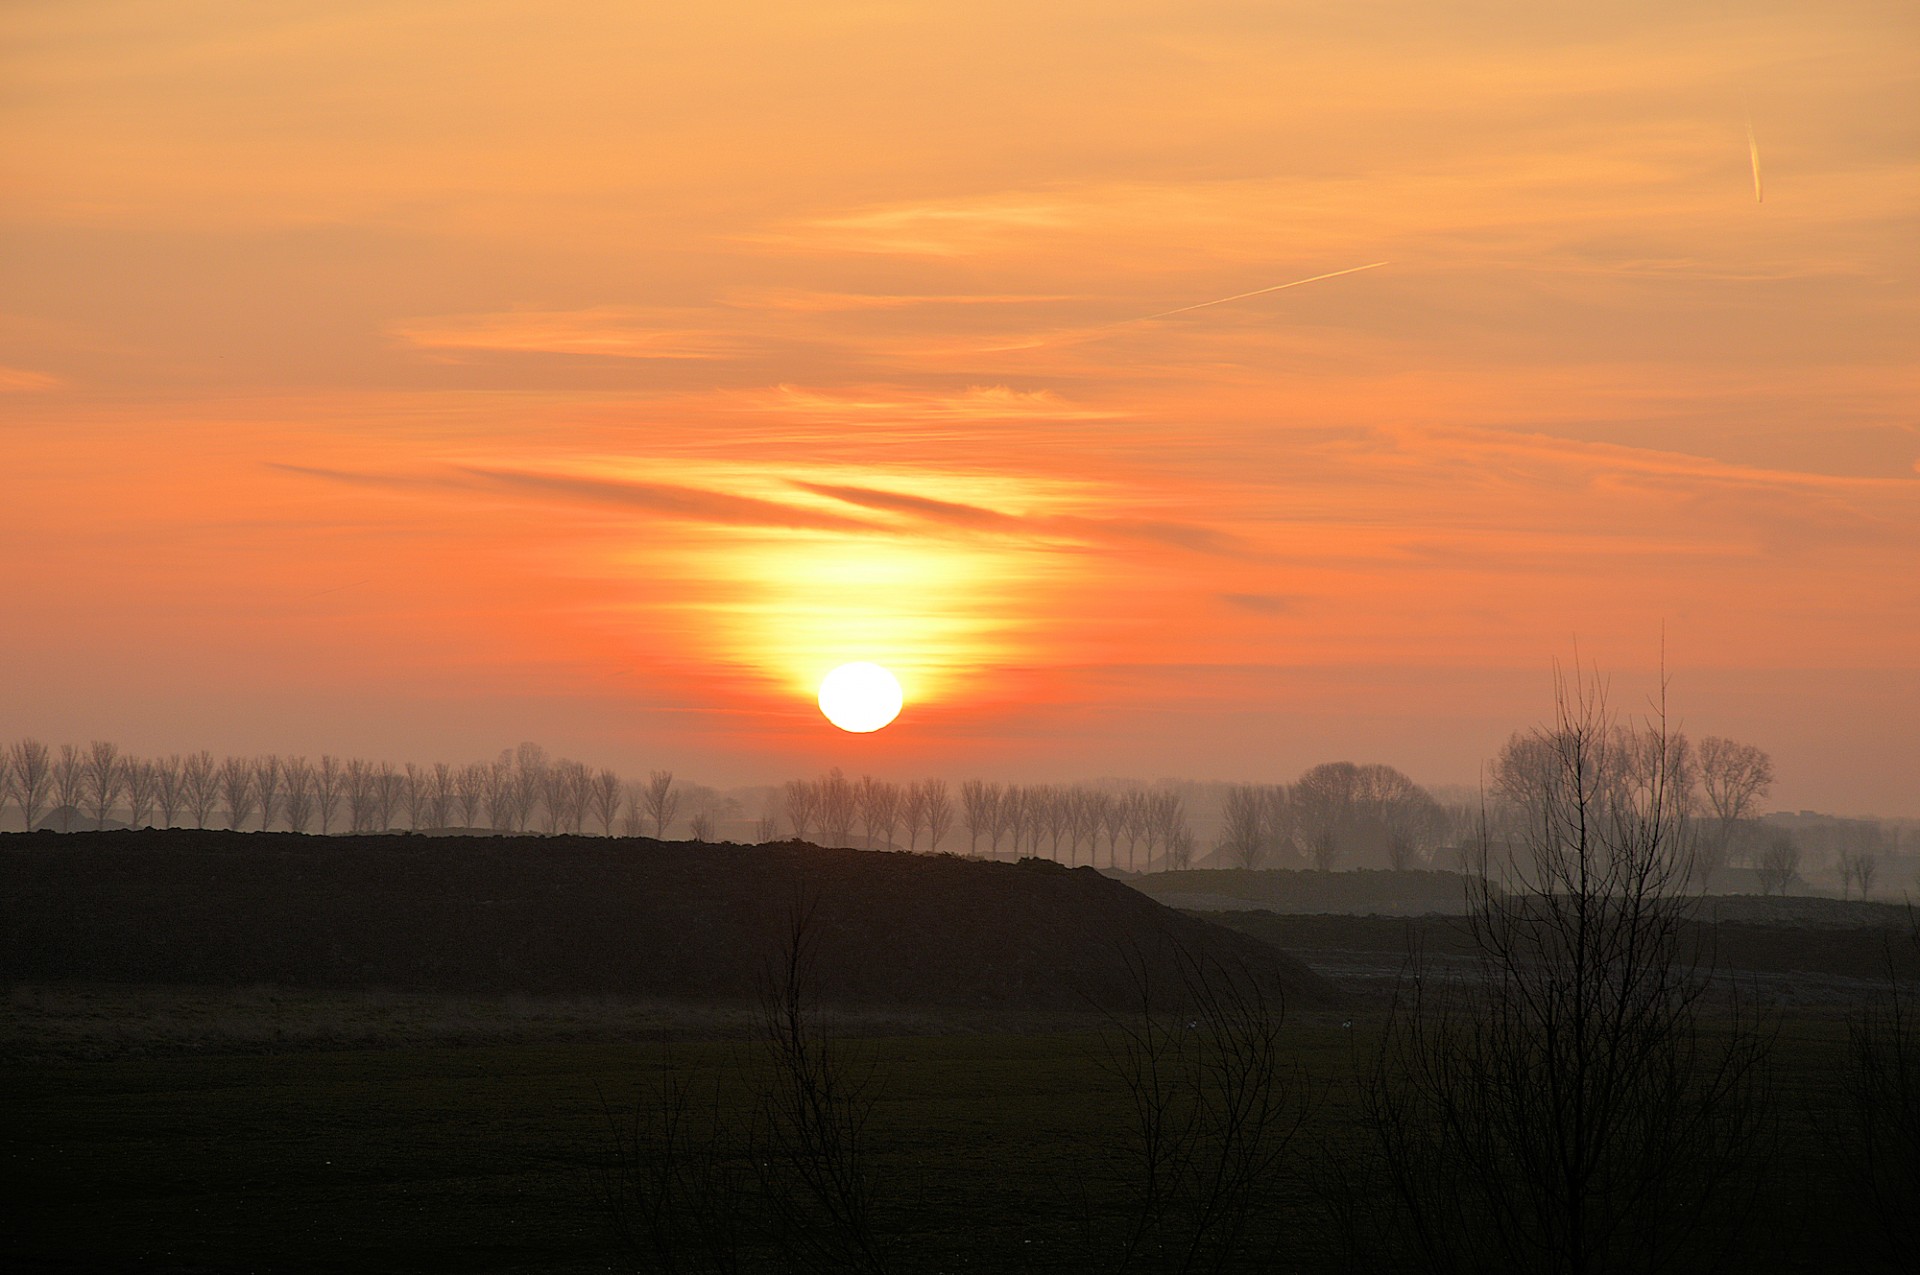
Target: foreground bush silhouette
point(1570, 1106)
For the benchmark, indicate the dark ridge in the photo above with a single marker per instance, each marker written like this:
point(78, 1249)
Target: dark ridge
point(591, 915)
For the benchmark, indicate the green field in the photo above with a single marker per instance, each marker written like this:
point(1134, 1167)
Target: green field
point(444, 1143)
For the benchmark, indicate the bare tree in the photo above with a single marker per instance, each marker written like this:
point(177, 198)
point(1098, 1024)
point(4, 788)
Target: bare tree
point(200, 779)
point(766, 830)
point(1245, 835)
point(700, 827)
point(1779, 866)
point(1566, 1110)
point(1085, 827)
point(328, 783)
point(388, 788)
point(1857, 867)
point(1883, 1084)
point(1408, 819)
point(142, 782)
point(975, 811)
point(169, 790)
point(913, 813)
point(1113, 822)
point(32, 779)
point(441, 791)
point(838, 810)
point(815, 1166)
point(879, 803)
point(500, 796)
point(470, 788)
point(69, 783)
point(299, 798)
point(1733, 779)
point(266, 788)
point(357, 783)
point(1213, 1109)
point(1324, 801)
point(939, 811)
point(529, 763)
point(608, 793)
point(103, 775)
point(415, 793)
point(1056, 813)
point(660, 802)
point(803, 803)
point(236, 788)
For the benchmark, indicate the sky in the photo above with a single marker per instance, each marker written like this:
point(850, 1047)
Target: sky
point(411, 379)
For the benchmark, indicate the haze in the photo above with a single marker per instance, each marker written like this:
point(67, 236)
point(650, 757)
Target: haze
point(414, 379)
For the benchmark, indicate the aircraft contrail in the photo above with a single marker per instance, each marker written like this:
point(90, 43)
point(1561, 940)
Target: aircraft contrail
point(1257, 292)
point(1096, 333)
point(1753, 153)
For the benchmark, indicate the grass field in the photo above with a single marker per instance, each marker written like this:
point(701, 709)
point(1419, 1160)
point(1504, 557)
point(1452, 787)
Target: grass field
point(461, 1135)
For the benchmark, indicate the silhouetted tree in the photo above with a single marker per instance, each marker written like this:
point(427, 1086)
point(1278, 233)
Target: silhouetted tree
point(266, 788)
point(388, 787)
point(142, 780)
point(975, 811)
point(608, 792)
point(69, 783)
point(838, 808)
point(700, 827)
point(328, 782)
point(1323, 802)
point(470, 787)
point(939, 811)
point(1733, 779)
point(1857, 867)
point(415, 793)
point(32, 779)
point(803, 802)
point(1779, 865)
point(879, 803)
point(1564, 1110)
point(660, 801)
point(169, 792)
point(1883, 1085)
point(1245, 833)
point(441, 792)
point(1213, 1108)
point(357, 781)
point(200, 780)
point(103, 775)
point(299, 794)
point(236, 788)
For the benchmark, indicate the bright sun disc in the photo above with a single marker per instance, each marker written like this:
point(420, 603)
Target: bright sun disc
point(860, 697)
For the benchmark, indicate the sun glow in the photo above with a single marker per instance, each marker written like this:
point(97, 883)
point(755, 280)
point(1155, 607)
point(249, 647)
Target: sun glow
point(860, 698)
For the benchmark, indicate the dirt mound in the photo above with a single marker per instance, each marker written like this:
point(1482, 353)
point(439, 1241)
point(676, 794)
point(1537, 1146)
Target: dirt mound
point(589, 915)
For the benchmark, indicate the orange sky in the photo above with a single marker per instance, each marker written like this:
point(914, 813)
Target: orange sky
point(412, 379)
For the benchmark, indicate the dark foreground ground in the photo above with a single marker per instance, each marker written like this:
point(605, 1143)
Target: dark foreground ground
point(199, 1146)
point(438, 1083)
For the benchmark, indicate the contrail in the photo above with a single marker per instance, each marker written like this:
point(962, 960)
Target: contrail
point(1096, 333)
point(1753, 153)
point(1257, 292)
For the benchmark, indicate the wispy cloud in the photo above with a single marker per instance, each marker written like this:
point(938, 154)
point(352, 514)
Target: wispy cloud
point(618, 332)
point(808, 301)
point(930, 229)
point(671, 500)
point(892, 402)
point(19, 380)
point(1176, 535)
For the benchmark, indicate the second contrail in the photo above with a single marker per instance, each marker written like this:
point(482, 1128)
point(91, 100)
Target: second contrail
point(1257, 292)
point(1753, 153)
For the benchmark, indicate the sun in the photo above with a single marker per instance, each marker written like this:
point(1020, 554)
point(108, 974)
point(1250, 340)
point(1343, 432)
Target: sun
point(860, 697)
